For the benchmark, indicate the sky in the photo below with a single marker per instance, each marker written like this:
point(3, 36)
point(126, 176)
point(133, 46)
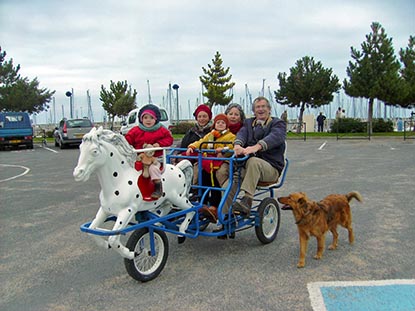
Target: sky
point(83, 44)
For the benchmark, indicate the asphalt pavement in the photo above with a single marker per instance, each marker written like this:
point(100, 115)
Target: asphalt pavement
point(47, 263)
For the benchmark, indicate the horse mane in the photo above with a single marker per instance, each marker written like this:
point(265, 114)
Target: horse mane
point(116, 140)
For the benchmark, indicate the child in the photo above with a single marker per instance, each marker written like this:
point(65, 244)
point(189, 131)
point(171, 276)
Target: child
point(220, 133)
point(151, 131)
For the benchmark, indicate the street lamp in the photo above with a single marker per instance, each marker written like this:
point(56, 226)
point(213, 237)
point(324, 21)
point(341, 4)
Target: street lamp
point(69, 94)
point(176, 87)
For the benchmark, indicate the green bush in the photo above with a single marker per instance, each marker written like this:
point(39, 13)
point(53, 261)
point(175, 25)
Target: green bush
point(382, 126)
point(182, 127)
point(348, 125)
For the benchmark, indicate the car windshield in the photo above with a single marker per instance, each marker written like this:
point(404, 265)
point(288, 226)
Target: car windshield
point(79, 123)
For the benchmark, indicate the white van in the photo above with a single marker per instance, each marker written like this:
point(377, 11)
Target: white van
point(132, 120)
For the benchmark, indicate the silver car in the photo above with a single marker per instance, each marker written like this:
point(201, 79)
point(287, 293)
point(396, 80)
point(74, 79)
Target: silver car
point(70, 132)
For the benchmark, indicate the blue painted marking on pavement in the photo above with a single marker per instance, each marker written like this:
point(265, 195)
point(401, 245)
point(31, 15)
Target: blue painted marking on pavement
point(383, 295)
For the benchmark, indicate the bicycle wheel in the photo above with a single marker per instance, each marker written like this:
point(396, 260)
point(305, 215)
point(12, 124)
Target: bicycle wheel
point(269, 220)
point(145, 267)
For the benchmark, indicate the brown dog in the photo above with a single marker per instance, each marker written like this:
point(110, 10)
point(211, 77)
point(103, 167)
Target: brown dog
point(316, 218)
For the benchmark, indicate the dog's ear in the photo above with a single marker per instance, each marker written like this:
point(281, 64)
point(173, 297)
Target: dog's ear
point(302, 202)
point(324, 207)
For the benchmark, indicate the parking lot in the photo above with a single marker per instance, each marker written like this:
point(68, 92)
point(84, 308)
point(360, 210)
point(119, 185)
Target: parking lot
point(47, 263)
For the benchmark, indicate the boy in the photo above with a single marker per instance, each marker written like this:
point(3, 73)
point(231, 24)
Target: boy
point(224, 138)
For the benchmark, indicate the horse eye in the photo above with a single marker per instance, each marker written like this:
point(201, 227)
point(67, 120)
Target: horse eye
point(95, 151)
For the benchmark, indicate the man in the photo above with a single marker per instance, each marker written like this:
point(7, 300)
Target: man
point(320, 121)
point(262, 137)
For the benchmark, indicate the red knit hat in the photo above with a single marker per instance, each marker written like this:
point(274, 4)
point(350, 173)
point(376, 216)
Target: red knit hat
point(150, 112)
point(222, 117)
point(204, 108)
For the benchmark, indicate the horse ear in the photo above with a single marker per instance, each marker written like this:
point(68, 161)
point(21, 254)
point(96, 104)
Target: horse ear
point(100, 130)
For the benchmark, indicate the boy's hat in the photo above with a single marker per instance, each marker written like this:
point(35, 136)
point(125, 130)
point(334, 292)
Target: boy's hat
point(150, 109)
point(204, 108)
point(222, 117)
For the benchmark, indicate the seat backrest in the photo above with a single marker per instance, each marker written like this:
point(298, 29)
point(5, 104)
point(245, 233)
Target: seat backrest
point(280, 182)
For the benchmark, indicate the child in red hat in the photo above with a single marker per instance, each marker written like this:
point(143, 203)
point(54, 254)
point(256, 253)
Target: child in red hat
point(223, 138)
point(151, 131)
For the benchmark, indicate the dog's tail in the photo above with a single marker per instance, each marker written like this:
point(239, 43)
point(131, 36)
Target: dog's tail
point(354, 194)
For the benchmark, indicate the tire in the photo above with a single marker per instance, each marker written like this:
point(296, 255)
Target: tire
point(269, 220)
point(56, 143)
point(145, 267)
point(61, 144)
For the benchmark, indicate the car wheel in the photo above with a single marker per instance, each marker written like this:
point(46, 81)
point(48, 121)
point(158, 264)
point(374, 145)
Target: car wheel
point(61, 144)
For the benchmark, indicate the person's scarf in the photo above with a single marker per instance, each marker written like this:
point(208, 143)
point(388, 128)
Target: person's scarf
point(154, 128)
point(235, 127)
point(201, 130)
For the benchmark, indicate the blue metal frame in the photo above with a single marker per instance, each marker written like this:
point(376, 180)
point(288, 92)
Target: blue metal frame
point(170, 223)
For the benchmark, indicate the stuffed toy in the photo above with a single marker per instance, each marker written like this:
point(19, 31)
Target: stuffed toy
point(147, 158)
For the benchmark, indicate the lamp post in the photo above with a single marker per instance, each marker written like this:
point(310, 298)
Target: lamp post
point(176, 87)
point(69, 94)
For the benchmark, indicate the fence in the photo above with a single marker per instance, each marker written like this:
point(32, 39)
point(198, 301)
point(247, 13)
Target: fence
point(409, 130)
point(297, 130)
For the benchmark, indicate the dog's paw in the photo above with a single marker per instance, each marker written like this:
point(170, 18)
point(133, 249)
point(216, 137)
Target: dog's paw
point(300, 264)
point(318, 256)
point(332, 247)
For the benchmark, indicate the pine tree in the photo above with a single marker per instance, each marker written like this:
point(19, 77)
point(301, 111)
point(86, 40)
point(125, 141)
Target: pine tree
point(119, 100)
point(374, 71)
point(308, 85)
point(216, 82)
point(407, 57)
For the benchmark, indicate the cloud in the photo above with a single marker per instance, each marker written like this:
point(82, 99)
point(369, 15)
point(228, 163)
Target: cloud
point(85, 44)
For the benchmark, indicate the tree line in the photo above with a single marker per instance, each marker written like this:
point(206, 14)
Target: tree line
point(374, 72)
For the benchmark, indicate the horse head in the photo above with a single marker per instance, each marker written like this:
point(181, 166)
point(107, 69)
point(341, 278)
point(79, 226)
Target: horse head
point(90, 155)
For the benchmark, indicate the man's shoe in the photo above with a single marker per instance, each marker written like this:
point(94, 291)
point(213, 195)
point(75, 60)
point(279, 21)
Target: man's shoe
point(210, 212)
point(243, 206)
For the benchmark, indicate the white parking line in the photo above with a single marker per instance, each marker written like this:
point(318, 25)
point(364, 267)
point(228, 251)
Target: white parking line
point(27, 170)
point(323, 145)
point(50, 149)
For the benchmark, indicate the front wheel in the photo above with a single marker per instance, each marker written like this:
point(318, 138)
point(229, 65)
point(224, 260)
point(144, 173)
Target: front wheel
point(269, 220)
point(147, 266)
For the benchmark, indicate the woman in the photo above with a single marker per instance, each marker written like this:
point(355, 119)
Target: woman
point(203, 116)
point(236, 117)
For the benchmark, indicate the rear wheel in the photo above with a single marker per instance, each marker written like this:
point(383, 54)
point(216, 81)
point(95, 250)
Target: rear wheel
point(269, 220)
point(61, 144)
point(145, 266)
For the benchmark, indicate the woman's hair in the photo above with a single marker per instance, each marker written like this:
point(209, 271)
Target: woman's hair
point(237, 106)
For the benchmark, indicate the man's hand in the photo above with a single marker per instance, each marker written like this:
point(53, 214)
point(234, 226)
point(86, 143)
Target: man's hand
point(239, 150)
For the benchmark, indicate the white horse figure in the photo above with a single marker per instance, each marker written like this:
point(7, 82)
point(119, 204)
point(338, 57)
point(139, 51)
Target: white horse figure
point(112, 158)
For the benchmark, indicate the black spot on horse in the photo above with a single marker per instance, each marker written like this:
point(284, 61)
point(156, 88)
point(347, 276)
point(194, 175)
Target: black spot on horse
point(111, 154)
point(137, 196)
point(115, 174)
point(117, 192)
point(130, 182)
point(180, 175)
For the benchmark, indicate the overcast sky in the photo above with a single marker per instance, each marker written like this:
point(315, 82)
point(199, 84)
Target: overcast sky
point(85, 44)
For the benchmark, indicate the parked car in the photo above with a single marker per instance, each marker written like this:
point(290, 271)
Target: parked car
point(15, 130)
point(71, 131)
point(132, 120)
